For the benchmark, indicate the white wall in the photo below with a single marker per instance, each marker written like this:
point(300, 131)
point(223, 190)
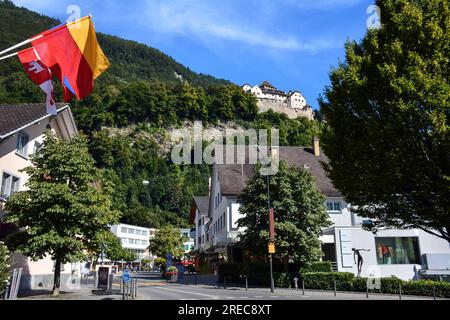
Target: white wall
point(361, 239)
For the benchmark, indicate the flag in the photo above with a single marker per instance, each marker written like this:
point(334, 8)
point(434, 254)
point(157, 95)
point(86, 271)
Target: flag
point(73, 50)
point(39, 74)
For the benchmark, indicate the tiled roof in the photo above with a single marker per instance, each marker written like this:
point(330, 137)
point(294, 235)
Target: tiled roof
point(200, 203)
point(16, 116)
point(233, 178)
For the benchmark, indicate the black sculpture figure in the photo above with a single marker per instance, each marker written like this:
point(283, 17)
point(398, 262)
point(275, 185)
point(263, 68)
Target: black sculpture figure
point(356, 252)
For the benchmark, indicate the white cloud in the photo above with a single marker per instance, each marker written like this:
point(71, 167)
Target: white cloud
point(212, 21)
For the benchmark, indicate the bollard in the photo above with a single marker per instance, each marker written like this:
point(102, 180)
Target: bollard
point(296, 283)
point(335, 291)
point(400, 290)
point(136, 288)
point(434, 292)
point(303, 286)
point(246, 284)
point(367, 290)
point(122, 286)
point(120, 290)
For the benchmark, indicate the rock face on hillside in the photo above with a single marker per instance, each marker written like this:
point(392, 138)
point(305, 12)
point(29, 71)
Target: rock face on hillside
point(166, 138)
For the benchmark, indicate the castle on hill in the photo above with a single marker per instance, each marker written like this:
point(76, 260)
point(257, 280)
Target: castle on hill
point(293, 103)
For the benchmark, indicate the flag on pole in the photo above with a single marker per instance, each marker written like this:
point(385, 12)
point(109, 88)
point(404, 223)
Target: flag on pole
point(39, 74)
point(73, 50)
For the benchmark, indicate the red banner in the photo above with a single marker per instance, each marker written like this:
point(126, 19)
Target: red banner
point(271, 224)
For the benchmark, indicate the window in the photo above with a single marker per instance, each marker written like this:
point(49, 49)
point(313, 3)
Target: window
point(9, 185)
point(398, 250)
point(138, 232)
point(130, 231)
point(124, 240)
point(144, 233)
point(22, 142)
point(223, 220)
point(199, 240)
point(37, 146)
point(334, 206)
point(203, 239)
point(131, 241)
point(123, 230)
point(144, 242)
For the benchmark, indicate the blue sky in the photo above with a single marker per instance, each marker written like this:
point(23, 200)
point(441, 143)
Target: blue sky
point(291, 43)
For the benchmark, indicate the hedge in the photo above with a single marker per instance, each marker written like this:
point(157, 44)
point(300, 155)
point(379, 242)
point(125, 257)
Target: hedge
point(321, 266)
point(258, 274)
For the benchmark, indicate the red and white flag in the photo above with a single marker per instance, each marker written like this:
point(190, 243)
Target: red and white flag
point(39, 74)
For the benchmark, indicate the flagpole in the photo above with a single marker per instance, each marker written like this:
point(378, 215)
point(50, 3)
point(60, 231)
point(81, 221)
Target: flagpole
point(21, 44)
point(9, 56)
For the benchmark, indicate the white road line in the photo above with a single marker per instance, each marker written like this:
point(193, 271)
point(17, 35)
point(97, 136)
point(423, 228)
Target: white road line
point(193, 293)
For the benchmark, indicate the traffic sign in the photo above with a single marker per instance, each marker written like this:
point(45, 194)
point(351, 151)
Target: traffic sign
point(271, 248)
point(126, 275)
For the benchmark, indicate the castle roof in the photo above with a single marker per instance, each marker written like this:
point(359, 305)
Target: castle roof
point(267, 84)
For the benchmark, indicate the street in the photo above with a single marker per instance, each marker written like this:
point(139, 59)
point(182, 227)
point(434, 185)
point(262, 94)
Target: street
point(154, 288)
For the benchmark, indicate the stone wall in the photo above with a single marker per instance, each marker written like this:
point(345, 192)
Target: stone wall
point(282, 107)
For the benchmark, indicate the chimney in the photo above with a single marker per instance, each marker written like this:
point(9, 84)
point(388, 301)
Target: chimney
point(316, 146)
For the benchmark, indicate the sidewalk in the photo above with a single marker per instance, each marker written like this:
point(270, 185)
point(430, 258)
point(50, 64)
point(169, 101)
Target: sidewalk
point(340, 295)
point(81, 294)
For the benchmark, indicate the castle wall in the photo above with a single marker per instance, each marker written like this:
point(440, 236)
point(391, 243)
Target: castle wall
point(282, 107)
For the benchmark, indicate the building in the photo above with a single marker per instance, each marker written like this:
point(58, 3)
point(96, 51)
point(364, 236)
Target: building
point(135, 239)
point(293, 103)
point(406, 254)
point(21, 133)
point(189, 243)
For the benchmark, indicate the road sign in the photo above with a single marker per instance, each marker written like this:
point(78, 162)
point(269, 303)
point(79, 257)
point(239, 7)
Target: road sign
point(168, 260)
point(271, 248)
point(126, 275)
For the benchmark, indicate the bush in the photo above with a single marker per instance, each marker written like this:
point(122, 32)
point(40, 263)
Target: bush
point(325, 280)
point(282, 280)
point(321, 266)
point(4, 266)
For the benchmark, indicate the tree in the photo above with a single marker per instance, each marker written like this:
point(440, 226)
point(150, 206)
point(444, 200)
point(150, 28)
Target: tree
point(110, 246)
point(66, 206)
point(4, 266)
point(300, 215)
point(167, 240)
point(388, 111)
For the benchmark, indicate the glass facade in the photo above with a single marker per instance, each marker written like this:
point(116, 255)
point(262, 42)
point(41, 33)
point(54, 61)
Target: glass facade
point(398, 250)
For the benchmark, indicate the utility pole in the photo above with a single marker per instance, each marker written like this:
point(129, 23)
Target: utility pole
point(272, 285)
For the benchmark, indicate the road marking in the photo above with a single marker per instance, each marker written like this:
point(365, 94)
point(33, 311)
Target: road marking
point(194, 293)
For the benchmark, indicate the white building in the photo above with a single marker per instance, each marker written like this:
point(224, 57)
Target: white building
point(21, 134)
point(134, 238)
point(406, 254)
point(189, 243)
point(293, 103)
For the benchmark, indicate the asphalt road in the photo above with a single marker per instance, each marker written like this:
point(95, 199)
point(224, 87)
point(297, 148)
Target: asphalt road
point(154, 288)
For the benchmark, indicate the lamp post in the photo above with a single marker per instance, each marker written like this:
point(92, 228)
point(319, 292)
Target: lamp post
point(272, 285)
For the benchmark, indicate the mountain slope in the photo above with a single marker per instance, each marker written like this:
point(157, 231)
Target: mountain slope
point(129, 60)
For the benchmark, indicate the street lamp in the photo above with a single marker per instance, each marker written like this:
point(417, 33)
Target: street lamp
point(272, 285)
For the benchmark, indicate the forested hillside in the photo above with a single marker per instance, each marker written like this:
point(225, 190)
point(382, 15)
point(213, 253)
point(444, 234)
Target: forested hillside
point(141, 93)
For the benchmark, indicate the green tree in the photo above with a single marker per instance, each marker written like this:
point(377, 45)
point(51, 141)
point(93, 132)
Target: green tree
point(300, 215)
point(388, 111)
point(4, 266)
point(66, 206)
point(167, 240)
